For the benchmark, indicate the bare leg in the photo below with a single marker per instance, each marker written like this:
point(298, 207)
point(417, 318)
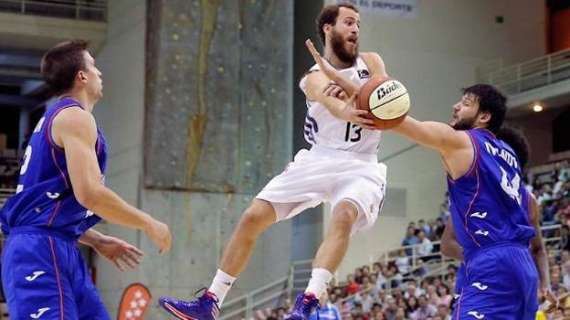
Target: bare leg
point(257, 218)
point(334, 246)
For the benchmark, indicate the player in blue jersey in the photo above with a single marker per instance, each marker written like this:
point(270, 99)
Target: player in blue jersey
point(450, 247)
point(489, 203)
point(61, 187)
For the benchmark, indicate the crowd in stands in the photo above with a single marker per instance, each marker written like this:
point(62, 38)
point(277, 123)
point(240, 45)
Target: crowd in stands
point(399, 290)
point(9, 169)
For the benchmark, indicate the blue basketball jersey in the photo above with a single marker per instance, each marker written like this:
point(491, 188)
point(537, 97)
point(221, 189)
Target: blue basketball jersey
point(44, 197)
point(489, 203)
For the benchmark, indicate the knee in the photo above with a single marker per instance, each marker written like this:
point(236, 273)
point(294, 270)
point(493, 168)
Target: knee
point(345, 215)
point(257, 218)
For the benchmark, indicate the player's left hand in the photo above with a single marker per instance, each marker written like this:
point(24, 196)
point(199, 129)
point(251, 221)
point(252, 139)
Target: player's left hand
point(551, 302)
point(119, 252)
point(334, 90)
point(324, 65)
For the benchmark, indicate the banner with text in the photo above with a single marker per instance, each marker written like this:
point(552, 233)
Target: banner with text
point(393, 8)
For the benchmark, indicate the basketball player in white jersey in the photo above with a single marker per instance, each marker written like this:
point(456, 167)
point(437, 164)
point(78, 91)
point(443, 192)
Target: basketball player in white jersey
point(341, 168)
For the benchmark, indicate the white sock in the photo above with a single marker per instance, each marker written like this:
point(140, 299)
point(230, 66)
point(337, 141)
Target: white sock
point(319, 282)
point(221, 285)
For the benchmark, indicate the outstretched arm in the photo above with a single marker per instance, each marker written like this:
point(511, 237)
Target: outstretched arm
point(454, 146)
point(117, 251)
point(75, 131)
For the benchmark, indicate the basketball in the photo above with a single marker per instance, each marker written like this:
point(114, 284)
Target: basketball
point(387, 100)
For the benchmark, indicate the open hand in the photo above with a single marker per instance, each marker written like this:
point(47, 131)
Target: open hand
point(357, 116)
point(119, 252)
point(324, 65)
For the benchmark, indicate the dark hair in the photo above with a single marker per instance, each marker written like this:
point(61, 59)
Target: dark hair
point(517, 141)
point(61, 63)
point(492, 101)
point(328, 16)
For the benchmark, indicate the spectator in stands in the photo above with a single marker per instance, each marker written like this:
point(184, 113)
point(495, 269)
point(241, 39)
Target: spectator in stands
point(444, 295)
point(403, 262)
point(377, 268)
point(444, 208)
point(391, 308)
point(432, 225)
point(566, 275)
point(327, 310)
point(555, 283)
point(549, 212)
point(357, 311)
point(564, 257)
point(398, 295)
point(394, 275)
point(425, 310)
point(565, 237)
point(411, 305)
point(352, 286)
point(412, 290)
point(422, 226)
point(545, 194)
point(400, 314)
point(564, 209)
point(366, 299)
point(410, 239)
point(439, 227)
point(443, 312)
point(432, 295)
point(373, 277)
point(425, 246)
point(381, 280)
point(358, 275)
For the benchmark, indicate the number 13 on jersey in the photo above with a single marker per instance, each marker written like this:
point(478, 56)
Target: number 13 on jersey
point(353, 132)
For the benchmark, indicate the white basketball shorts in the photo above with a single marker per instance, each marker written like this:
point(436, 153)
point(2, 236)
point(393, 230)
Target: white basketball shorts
point(329, 175)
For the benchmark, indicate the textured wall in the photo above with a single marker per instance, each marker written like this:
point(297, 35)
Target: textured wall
point(218, 94)
point(206, 109)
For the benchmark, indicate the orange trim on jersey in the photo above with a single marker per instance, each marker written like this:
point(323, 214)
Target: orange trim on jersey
point(54, 213)
point(59, 168)
point(458, 310)
point(469, 209)
point(60, 289)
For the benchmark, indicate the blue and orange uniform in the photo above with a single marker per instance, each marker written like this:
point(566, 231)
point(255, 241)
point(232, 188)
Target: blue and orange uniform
point(489, 209)
point(43, 273)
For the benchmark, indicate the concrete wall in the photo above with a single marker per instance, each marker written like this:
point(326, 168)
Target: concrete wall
point(120, 115)
point(434, 55)
point(201, 220)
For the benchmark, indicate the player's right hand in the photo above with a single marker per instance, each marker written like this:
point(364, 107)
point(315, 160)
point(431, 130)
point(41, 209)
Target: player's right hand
point(160, 234)
point(357, 116)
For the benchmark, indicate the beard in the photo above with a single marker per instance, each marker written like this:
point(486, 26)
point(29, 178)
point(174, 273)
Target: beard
point(464, 124)
point(340, 51)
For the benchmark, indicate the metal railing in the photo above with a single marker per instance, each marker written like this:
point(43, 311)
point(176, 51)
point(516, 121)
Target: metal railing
point(93, 10)
point(531, 74)
point(275, 293)
point(269, 295)
point(438, 266)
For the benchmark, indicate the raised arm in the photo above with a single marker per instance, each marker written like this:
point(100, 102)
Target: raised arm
point(373, 61)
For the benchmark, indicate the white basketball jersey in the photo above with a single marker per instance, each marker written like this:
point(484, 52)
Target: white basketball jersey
point(324, 129)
